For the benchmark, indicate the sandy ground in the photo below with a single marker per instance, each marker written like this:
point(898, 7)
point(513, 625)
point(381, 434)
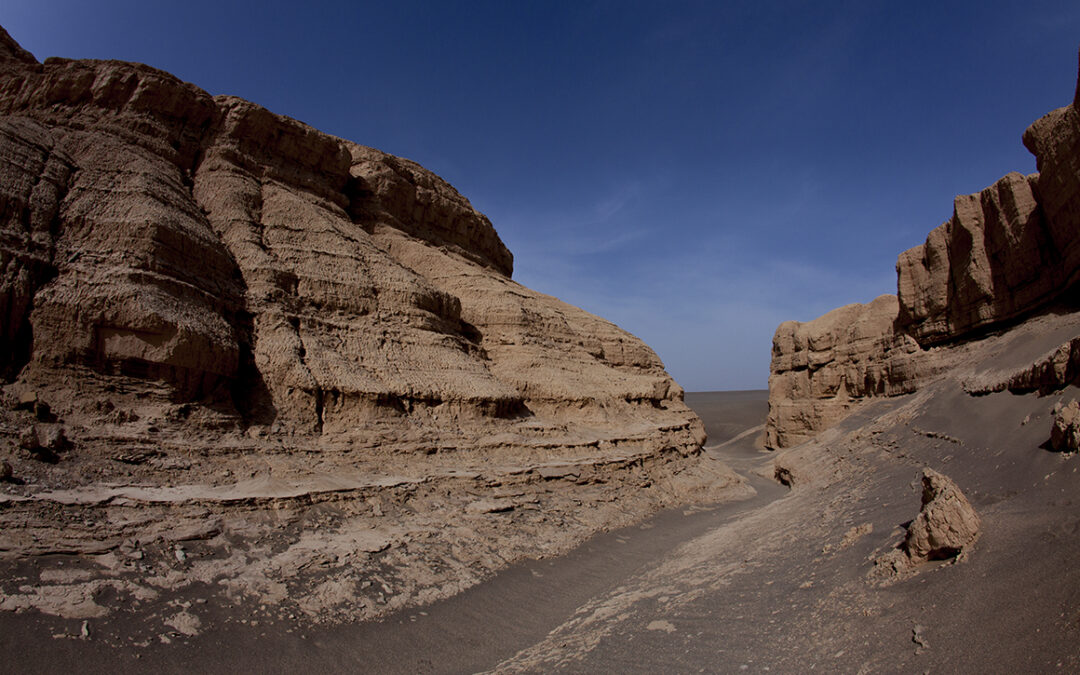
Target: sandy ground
point(790, 586)
point(471, 631)
point(780, 582)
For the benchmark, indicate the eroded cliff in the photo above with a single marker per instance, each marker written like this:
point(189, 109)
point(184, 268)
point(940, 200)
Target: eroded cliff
point(1007, 253)
point(239, 351)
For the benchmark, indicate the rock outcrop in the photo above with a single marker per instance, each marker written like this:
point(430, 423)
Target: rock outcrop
point(1065, 431)
point(311, 284)
point(1006, 253)
point(946, 527)
point(821, 368)
point(222, 306)
point(993, 261)
point(946, 524)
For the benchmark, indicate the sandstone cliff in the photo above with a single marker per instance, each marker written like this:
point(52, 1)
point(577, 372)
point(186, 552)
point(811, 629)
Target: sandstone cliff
point(821, 368)
point(1006, 253)
point(212, 313)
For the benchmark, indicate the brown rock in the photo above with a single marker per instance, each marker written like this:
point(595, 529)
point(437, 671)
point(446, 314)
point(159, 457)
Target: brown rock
point(822, 368)
point(205, 291)
point(44, 441)
point(946, 524)
point(1065, 432)
point(6, 472)
point(990, 263)
point(337, 289)
point(1006, 253)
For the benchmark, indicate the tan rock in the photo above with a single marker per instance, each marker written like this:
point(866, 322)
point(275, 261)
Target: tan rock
point(251, 315)
point(1065, 432)
point(946, 524)
point(990, 263)
point(335, 288)
point(822, 368)
point(1006, 253)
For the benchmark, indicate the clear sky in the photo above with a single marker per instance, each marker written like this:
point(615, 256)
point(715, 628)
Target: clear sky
point(696, 172)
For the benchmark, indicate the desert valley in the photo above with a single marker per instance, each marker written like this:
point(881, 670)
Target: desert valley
point(273, 402)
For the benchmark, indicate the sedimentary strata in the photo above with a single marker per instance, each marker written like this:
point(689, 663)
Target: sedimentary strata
point(1006, 253)
point(215, 314)
point(821, 368)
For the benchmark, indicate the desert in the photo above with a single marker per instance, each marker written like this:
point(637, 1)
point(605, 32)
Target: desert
point(273, 401)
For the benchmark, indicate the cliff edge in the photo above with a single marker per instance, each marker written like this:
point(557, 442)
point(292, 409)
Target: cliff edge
point(1007, 253)
point(241, 352)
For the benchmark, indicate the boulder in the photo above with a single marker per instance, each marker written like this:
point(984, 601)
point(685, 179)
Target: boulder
point(1065, 431)
point(946, 525)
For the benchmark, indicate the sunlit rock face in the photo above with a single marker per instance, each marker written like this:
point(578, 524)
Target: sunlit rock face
point(214, 306)
point(1007, 252)
point(299, 281)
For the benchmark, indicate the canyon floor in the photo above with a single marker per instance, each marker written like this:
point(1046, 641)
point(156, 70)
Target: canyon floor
point(782, 581)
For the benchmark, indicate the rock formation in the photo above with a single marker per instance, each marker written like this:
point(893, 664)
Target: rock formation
point(821, 368)
point(218, 306)
point(1065, 431)
point(1006, 253)
point(946, 524)
point(991, 262)
point(945, 527)
point(301, 282)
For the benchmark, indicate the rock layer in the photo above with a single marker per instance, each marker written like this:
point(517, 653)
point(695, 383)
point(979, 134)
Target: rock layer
point(222, 310)
point(821, 368)
point(154, 231)
point(1006, 253)
point(991, 262)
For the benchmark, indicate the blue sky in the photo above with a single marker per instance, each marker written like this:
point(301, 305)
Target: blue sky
point(696, 172)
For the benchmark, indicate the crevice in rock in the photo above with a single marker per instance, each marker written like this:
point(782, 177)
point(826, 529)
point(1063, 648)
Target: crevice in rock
point(318, 410)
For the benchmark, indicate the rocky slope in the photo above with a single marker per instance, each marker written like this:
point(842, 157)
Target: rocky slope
point(1006, 253)
point(243, 355)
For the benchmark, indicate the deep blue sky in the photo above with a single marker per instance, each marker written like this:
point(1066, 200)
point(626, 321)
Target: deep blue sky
point(696, 172)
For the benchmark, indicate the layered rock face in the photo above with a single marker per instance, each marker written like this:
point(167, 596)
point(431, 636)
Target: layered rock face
point(207, 296)
point(154, 231)
point(1005, 253)
point(991, 262)
point(821, 368)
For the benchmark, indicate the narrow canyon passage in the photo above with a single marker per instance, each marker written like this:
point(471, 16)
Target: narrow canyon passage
point(491, 622)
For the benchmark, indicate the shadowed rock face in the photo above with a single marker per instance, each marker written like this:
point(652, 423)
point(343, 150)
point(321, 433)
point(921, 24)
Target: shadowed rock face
point(220, 306)
point(1007, 252)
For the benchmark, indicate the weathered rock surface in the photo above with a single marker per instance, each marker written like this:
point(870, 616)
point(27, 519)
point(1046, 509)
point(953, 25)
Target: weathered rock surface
point(227, 309)
point(821, 368)
point(1065, 432)
point(946, 524)
point(991, 262)
point(1006, 253)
